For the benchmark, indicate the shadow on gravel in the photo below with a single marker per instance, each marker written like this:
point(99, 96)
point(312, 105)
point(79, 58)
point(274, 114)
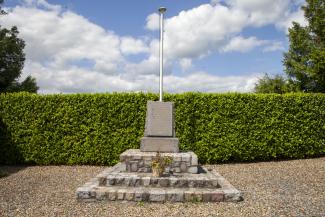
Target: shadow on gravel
point(9, 152)
point(6, 170)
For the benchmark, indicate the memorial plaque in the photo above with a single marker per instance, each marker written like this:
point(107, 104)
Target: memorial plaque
point(160, 119)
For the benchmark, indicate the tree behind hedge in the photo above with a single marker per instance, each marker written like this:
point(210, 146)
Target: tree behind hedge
point(305, 61)
point(278, 84)
point(12, 59)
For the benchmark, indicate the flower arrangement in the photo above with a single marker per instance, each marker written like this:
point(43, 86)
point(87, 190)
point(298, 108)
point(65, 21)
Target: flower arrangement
point(159, 164)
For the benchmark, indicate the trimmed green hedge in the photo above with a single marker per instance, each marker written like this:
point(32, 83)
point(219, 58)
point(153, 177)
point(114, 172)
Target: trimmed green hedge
point(97, 128)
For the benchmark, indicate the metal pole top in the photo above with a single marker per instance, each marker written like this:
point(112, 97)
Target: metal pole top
point(162, 10)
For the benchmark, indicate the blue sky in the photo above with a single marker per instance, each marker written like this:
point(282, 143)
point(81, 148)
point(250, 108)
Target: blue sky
point(104, 46)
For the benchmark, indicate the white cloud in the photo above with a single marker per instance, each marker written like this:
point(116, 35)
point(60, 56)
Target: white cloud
point(208, 28)
point(201, 30)
point(130, 45)
point(146, 66)
point(74, 79)
point(262, 12)
point(185, 63)
point(63, 37)
point(297, 16)
point(214, 2)
point(43, 3)
point(204, 82)
point(152, 22)
point(68, 53)
point(243, 45)
point(280, 13)
point(274, 46)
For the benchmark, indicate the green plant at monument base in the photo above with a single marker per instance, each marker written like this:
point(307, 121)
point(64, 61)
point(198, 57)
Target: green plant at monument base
point(69, 129)
point(196, 199)
point(159, 164)
point(140, 203)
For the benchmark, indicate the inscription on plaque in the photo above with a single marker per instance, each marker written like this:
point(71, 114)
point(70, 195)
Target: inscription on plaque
point(160, 120)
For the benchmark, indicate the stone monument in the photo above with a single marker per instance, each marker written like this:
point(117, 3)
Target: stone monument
point(159, 134)
point(183, 180)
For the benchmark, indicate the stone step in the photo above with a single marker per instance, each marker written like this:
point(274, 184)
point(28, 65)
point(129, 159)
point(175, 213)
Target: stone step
point(173, 181)
point(153, 194)
point(210, 187)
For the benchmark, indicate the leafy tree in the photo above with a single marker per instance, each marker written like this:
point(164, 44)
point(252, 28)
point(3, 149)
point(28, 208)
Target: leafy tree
point(12, 59)
point(305, 61)
point(278, 84)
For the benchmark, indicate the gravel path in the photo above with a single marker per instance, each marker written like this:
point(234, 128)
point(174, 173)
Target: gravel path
point(287, 188)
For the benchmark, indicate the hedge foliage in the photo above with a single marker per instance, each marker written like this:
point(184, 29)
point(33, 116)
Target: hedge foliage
point(97, 128)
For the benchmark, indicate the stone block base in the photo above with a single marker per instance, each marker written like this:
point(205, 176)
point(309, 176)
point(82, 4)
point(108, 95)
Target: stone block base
point(137, 161)
point(161, 144)
point(116, 184)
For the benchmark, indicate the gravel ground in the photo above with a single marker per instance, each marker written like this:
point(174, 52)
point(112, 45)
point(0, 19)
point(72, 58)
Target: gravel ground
point(286, 188)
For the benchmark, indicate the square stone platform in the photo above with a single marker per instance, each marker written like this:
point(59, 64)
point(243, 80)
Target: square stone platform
point(138, 161)
point(116, 183)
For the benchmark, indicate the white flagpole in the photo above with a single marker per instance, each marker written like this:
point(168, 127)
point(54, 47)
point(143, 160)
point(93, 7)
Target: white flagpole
point(161, 11)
